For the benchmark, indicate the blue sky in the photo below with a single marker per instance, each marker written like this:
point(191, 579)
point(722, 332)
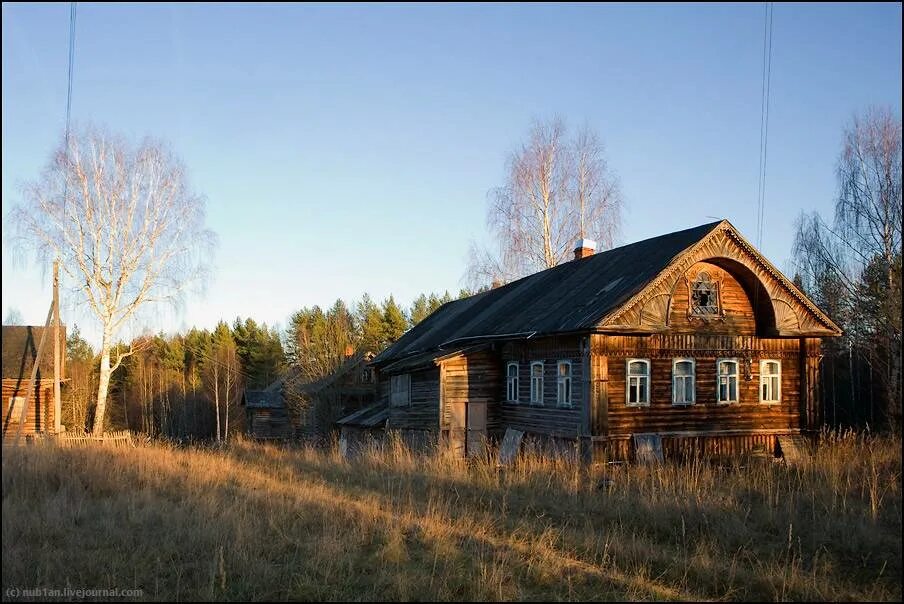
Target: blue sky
point(345, 148)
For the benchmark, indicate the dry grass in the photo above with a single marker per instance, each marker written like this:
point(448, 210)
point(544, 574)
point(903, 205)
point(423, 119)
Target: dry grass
point(261, 522)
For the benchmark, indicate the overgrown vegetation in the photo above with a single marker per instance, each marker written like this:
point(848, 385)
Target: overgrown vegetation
point(260, 522)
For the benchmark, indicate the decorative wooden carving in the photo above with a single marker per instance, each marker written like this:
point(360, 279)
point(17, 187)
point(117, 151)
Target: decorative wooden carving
point(795, 314)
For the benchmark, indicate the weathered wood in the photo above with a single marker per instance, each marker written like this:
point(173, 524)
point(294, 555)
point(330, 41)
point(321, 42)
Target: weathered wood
point(423, 411)
point(39, 411)
point(793, 448)
point(647, 448)
point(600, 411)
point(548, 417)
point(511, 445)
point(781, 308)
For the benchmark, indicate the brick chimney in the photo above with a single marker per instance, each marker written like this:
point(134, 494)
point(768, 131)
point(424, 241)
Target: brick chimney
point(584, 248)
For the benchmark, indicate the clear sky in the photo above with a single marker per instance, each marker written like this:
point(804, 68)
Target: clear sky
point(345, 149)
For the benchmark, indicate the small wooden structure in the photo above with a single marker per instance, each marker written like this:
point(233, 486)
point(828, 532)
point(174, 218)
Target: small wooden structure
point(266, 415)
point(693, 336)
point(362, 428)
point(20, 345)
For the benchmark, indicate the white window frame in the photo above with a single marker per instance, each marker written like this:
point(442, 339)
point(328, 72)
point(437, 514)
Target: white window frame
point(737, 377)
point(629, 377)
point(399, 396)
point(564, 380)
point(511, 381)
point(536, 394)
point(763, 375)
point(684, 378)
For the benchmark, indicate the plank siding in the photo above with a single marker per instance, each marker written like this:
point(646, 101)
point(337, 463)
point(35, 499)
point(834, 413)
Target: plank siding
point(423, 411)
point(546, 418)
point(476, 377)
point(39, 415)
point(737, 311)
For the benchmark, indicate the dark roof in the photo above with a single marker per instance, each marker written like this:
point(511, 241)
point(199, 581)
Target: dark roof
point(573, 296)
point(372, 416)
point(294, 380)
point(263, 399)
point(20, 347)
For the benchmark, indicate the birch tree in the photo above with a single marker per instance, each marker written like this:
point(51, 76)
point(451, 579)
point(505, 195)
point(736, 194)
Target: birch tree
point(859, 251)
point(127, 227)
point(557, 190)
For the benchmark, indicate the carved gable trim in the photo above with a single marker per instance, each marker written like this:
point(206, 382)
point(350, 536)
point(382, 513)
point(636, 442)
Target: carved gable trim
point(648, 310)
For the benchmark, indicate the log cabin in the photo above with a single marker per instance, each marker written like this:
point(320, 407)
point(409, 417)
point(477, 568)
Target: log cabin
point(20, 349)
point(692, 336)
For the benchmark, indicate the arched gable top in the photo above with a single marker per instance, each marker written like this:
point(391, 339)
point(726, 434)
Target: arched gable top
point(780, 308)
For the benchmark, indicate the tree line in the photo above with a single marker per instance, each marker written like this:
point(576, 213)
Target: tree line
point(850, 265)
point(188, 385)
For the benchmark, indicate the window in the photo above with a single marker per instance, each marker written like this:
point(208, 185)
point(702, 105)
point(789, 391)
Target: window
point(770, 381)
point(16, 403)
point(564, 383)
point(536, 383)
point(367, 376)
point(512, 382)
point(683, 382)
point(400, 390)
point(704, 296)
point(727, 381)
point(638, 383)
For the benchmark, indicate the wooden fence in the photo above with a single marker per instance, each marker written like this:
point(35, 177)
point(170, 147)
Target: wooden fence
point(122, 438)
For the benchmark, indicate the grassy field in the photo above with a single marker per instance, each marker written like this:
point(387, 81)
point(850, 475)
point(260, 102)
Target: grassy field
point(261, 522)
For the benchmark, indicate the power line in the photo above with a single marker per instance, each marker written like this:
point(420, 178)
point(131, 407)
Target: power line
point(71, 67)
point(764, 121)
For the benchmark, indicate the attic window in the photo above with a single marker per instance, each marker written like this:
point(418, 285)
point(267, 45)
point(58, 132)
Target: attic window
point(704, 296)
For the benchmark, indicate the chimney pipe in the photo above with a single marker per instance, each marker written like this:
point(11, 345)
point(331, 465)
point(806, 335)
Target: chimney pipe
point(584, 248)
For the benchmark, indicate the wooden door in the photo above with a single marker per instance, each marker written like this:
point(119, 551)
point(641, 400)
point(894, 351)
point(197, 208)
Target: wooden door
point(477, 428)
point(457, 419)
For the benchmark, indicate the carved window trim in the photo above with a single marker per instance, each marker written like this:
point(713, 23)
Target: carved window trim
point(702, 276)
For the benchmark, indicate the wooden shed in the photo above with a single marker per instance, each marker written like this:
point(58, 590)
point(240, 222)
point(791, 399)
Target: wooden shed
point(266, 415)
point(692, 336)
point(20, 349)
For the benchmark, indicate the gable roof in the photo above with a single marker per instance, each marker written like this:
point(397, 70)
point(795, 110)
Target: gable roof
point(371, 416)
point(566, 298)
point(20, 348)
point(294, 380)
point(577, 296)
point(263, 399)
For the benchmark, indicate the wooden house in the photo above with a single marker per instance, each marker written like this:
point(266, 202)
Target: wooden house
point(20, 349)
point(295, 407)
point(693, 336)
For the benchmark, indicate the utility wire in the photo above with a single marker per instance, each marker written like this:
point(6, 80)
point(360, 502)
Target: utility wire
point(764, 121)
point(69, 94)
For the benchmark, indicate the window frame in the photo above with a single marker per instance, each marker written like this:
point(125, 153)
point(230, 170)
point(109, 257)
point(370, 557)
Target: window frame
point(714, 288)
point(737, 377)
point(693, 378)
point(512, 380)
point(536, 400)
point(647, 376)
point(564, 379)
point(778, 399)
point(394, 399)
